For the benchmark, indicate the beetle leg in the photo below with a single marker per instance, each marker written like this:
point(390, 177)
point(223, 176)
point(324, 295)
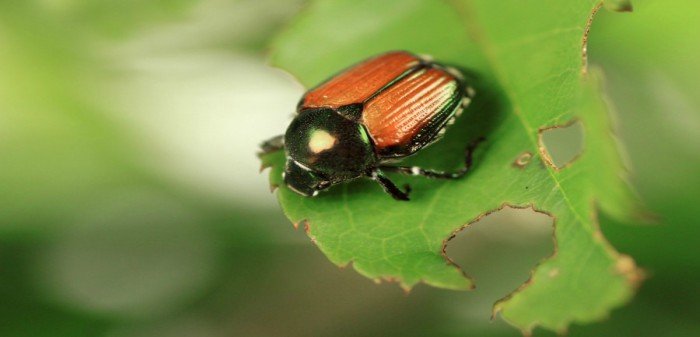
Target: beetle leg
point(273, 144)
point(389, 186)
point(417, 171)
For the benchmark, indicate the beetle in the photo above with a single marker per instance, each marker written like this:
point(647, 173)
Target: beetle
point(358, 122)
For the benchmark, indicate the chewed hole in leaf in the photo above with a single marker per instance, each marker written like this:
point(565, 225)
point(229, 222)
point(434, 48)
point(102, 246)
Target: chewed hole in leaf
point(561, 145)
point(523, 159)
point(500, 249)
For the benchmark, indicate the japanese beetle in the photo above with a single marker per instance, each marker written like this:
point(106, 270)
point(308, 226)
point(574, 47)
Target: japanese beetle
point(381, 109)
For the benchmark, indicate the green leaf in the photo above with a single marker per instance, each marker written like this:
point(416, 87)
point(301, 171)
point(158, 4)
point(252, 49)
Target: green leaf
point(528, 65)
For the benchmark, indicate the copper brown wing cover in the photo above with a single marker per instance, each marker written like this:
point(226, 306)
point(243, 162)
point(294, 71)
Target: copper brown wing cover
point(360, 82)
point(411, 113)
point(406, 101)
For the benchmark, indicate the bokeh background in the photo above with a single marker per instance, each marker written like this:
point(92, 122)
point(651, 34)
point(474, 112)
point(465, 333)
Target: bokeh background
point(131, 202)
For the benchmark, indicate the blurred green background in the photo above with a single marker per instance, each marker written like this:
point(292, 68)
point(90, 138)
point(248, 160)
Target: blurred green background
point(131, 203)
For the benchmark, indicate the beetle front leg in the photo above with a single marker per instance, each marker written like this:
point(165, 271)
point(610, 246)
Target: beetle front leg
point(273, 144)
point(389, 186)
point(417, 171)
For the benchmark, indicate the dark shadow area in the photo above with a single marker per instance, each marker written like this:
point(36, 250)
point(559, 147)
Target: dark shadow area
point(479, 119)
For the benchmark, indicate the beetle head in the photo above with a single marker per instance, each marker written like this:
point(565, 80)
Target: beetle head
point(325, 148)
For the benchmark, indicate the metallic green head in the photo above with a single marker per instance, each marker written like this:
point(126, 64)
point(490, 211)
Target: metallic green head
point(325, 148)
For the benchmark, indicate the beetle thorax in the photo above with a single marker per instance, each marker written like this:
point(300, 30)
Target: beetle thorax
point(330, 144)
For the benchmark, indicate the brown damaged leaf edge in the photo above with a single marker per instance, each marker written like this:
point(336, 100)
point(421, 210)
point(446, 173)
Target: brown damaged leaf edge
point(302, 222)
point(485, 214)
point(379, 280)
point(514, 206)
point(307, 229)
point(613, 5)
point(624, 264)
point(584, 40)
point(396, 280)
point(543, 149)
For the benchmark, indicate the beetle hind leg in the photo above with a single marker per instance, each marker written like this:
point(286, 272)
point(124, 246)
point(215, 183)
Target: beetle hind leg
point(417, 171)
point(389, 186)
point(273, 144)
